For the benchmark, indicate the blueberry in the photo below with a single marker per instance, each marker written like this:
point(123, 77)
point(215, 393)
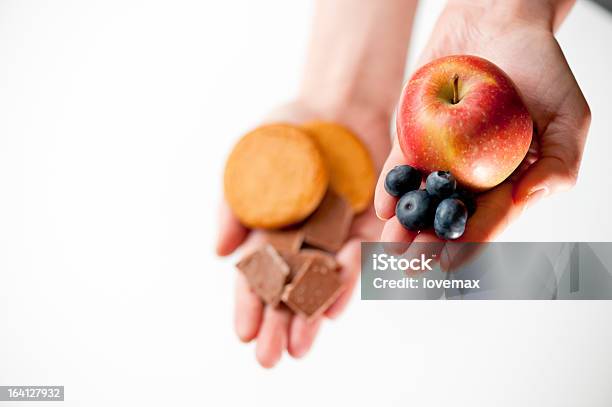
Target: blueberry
point(451, 217)
point(402, 179)
point(468, 198)
point(415, 210)
point(441, 184)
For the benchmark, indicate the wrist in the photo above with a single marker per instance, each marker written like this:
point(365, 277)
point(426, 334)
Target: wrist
point(547, 14)
point(344, 98)
point(355, 63)
point(354, 75)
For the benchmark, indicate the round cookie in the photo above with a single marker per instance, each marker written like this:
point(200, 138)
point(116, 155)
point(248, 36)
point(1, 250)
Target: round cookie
point(275, 176)
point(351, 169)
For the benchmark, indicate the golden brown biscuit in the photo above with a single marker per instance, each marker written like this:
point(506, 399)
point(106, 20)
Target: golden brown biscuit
point(275, 176)
point(350, 166)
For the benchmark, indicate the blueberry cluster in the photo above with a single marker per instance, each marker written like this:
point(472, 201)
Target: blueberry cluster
point(441, 204)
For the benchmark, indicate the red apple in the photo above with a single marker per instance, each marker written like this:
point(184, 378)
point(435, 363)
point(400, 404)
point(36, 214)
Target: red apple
point(463, 114)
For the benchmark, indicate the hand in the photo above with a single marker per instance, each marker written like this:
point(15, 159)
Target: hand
point(518, 37)
point(352, 76)
point(277, 329)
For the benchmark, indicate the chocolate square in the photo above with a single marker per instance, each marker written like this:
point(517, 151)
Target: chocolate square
point(285, 240)
point(295, 261)
point(328, 227)
point(266, 273)
point(313, 290)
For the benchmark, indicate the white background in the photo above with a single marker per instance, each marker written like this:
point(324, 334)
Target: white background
point(115, 119)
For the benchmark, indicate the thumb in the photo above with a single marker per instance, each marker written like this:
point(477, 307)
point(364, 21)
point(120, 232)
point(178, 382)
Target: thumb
point(546, 176)
point(231, 232)
point(561, 148)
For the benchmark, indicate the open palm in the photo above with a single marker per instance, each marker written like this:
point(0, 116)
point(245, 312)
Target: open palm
point(276, 329)
point(529, 53)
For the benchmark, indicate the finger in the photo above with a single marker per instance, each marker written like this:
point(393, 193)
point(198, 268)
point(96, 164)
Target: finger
point(562, 144)
point(384, 204)
point(495, 211)
point(231, 232)
point(393, 231)
point(425, 243)
point(349, 259)
point(248, 310)
point(301, 335)
point(272, 338)
point(546, 176)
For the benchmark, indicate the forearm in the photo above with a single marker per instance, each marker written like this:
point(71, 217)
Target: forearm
point(548, 13)
point(357, 54)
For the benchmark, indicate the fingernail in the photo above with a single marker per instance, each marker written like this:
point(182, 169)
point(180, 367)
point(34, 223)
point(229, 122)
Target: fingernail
point(243, 330)
point(535, 196)
point(240, 333)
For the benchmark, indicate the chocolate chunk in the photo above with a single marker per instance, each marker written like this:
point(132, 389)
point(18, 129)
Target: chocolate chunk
point(297, 260)
point(329, 226)
point(285, 240)
point(266, 273)
point(313, 290)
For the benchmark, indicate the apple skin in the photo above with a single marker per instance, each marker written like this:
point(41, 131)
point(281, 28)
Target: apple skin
point(481, 139)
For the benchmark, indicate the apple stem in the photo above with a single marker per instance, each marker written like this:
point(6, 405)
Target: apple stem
point(455, 89)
